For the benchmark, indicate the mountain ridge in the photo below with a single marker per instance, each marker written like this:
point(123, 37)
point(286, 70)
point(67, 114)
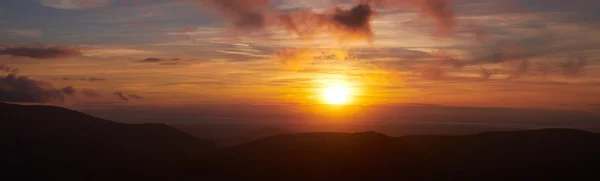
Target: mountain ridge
point(97, 149)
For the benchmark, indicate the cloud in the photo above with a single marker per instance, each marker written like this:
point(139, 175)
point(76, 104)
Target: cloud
point(519, 67)
point(531, 55)
point(151, 60)
point(27, 33)
point(15, 88)
point(244, 14)
point(353, 23)
point(432, 72)
point(487, 74)
point(110, 51)
point(162, 61)
point(90, 93)
point(89, 79)
point(94, 79)
point(136, 97)
point(442, 11)
point(296, 59)
point(6, 68)
point(54, 52)
point(75, 4)
point(69, 90)
point(573, 67)
point(122, 96)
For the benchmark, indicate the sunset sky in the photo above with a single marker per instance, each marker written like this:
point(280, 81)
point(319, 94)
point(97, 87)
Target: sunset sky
point(111, 54)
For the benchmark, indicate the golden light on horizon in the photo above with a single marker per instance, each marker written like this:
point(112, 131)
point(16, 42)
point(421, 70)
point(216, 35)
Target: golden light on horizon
point(336, 93)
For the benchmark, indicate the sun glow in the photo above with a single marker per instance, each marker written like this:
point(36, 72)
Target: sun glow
point(336, 94)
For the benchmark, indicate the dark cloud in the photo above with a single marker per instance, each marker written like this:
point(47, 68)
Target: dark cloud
point(15, 88)
point(136, 97)
point(89, 79)
point(94, 79)
point(396, 53)
point(151, 60)
point(6, 68)
point(161, 61)
point(54, 52)
point(249, 15)
point(90, 93)
point(69, 90)
point(344, 23)
point(487, 74)
point(121, 96)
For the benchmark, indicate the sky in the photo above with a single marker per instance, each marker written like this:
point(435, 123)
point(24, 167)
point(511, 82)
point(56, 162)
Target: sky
point(107, 55)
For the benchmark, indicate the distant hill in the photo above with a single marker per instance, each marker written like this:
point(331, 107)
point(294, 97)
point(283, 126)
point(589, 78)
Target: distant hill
point(45, 142)
point(48, 140)
point(549, 154)
point(226, 135)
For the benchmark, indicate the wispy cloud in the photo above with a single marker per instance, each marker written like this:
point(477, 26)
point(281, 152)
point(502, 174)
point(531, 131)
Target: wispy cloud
point(75, 4)
point(26, 33)
point(41, 52)
point(124, 97)
point(89, 79)
point(90, 93)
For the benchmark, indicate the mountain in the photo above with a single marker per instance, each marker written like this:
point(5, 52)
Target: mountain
point(549, 154)
point(227, 135)
point(45, 142)
point(53, 141)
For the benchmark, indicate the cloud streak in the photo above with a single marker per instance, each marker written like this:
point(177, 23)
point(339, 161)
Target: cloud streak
point(89, 79)
point(74, 4)
point(124, 97)
point(55, 52)
point(26, 33)
point(90, 93)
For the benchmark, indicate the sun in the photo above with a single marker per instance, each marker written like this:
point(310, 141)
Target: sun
point(336, 94)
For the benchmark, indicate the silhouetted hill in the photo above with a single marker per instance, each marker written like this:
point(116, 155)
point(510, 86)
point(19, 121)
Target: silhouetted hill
point(551, 154)
point(45, 142)
point(53, 141)
point(227, 135)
